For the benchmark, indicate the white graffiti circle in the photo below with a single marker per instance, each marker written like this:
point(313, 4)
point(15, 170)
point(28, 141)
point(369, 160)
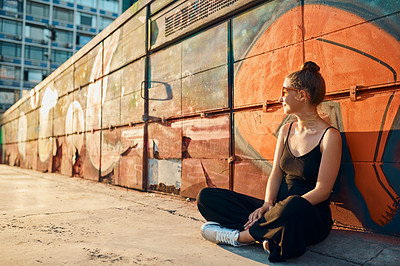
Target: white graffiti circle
point(22, 134)
point(45, 141)
point(74, 123)
point(94, 102)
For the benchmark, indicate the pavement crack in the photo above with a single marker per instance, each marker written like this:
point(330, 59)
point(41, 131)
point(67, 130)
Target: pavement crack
point(55, 213)
point(174, 212)
point(334, 257)
point(374, 257)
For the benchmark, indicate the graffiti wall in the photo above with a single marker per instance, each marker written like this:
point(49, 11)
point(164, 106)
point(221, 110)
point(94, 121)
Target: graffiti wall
point(178, 95)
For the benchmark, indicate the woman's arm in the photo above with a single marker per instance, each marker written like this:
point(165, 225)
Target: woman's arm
point(331, 148)
point(274, 180)
point(276, 176)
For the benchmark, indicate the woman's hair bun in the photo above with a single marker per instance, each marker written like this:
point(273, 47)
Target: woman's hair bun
point(309, 65)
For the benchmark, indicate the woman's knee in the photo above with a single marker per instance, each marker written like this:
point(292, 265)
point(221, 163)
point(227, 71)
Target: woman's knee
point(295, 204)
point(203, 195)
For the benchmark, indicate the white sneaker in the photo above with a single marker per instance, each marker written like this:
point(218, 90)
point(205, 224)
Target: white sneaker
point(214, 232)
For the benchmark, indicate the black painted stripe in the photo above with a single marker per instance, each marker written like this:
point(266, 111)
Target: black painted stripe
point(378, 142)
point(362, 53)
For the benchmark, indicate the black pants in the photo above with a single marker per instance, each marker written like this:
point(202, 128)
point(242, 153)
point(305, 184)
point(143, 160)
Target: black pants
point(289, 226)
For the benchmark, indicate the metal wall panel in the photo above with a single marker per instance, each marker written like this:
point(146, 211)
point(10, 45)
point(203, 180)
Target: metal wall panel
point(89, 67)
point(264, 72)
point(204, 91)
point(130, 167)
point(165, 92)
point(209, 137)
point(276, 18)
point(112, 85)
point(125, 44)
point(132, 102)
point(199, 173)
point(64, 83)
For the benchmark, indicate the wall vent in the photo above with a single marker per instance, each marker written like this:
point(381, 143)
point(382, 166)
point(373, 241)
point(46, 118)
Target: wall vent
point(193, 12)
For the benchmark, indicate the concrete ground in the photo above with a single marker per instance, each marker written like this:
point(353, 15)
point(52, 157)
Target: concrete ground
point(50, 219)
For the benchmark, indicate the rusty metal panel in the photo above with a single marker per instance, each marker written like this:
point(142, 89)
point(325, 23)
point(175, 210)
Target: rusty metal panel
point(251, 176)
point(279, 20)
point(130, 167)
point(111, 114)
point(62, 160)
point(199, 173)
point(205, 91)
point(90, 156)
point(166, 149)
point(12, 157)
point(73, 155)
point(125, 44)
point(89, 67)
point(165, 140)
point(110, 154)
point(31, 156)
point(206, 137)
point(256, 134)
point(165, 175)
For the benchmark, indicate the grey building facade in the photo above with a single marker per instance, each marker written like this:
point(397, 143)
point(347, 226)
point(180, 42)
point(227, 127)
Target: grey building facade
point(37, 36)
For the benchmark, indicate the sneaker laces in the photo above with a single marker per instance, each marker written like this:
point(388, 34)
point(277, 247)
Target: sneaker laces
point(227, 236)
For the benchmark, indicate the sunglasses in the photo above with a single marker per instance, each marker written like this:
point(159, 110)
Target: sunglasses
point(293, 89)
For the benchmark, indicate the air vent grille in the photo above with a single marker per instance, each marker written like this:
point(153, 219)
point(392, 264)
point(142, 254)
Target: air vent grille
point(192, 13)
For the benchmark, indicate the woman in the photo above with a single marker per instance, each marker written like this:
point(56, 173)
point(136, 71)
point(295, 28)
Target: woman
point(295, 212)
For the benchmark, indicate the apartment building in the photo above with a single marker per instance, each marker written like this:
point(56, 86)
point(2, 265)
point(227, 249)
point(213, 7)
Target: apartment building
point(37, 36)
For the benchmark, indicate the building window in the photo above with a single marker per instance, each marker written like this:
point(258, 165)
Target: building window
point(63, 14)
point(34, 75)
point(83, 39)
point(10, 49)
point(10, 72)
point(35, 32)
point(89, 3)
point(36, 53)
point(104, 22)
point(86, 20)
point(60, 56)
point(37, 9)
point(63, 36)
point(109, 5)
point(10, 27)
point(11, 5)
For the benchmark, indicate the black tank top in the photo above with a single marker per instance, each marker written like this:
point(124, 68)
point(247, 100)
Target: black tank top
point(300, 173)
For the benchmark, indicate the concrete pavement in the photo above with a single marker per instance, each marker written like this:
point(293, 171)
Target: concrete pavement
point(50, 219)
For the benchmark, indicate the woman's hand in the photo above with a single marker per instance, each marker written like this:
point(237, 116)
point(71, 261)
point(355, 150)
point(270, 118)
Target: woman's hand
point(254, 216)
